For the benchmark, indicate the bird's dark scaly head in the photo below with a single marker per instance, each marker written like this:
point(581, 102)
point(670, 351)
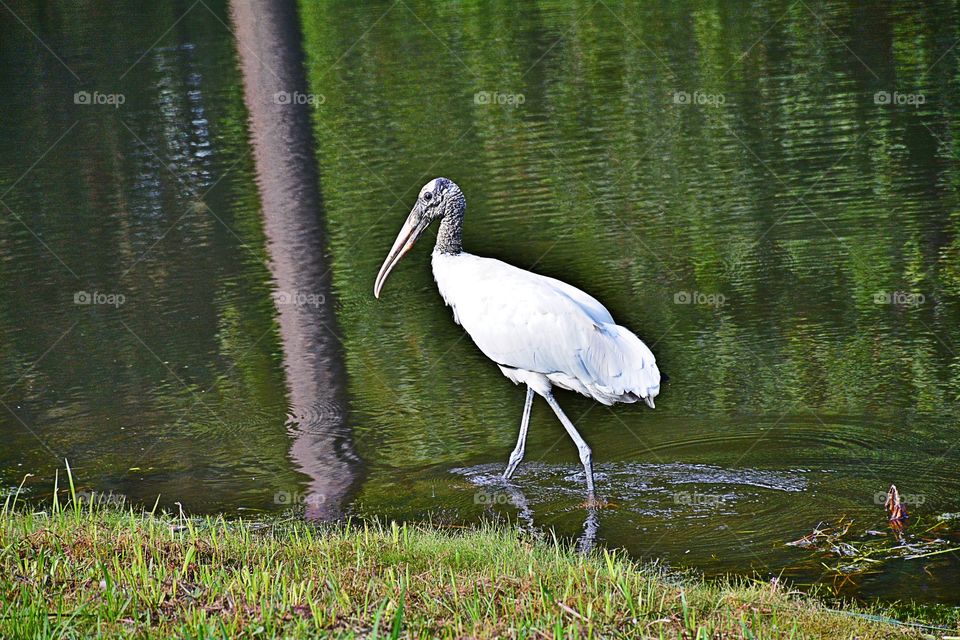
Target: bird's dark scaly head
point(440, 198)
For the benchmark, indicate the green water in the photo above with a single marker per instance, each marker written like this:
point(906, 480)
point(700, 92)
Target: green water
point(725, 178)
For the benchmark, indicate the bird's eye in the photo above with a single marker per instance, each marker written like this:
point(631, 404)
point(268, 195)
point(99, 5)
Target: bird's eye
point(427, 196)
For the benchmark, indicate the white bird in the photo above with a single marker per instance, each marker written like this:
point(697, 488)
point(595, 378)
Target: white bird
point(540, 331)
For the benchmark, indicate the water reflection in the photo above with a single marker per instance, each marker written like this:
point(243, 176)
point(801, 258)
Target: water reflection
point(773, 246)
point(678, 495)
point(176, 391)
point(268, 40)
point(495, 492)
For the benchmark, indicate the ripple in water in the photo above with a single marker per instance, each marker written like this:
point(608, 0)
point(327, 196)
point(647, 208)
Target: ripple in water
point(318, 418)
point(674, 489)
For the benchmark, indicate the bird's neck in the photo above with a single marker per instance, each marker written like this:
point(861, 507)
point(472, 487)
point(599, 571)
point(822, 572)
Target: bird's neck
point(448, 237)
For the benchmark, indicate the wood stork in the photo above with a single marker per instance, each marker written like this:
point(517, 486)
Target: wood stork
point(540, 331)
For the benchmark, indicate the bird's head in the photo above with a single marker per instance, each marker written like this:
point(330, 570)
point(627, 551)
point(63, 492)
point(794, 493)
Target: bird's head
point(440, 198)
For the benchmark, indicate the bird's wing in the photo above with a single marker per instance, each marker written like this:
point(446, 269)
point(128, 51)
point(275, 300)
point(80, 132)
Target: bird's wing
point(526, 321)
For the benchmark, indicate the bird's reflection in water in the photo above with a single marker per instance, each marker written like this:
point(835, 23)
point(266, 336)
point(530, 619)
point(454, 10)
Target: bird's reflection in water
point(525, 514)
point(591, 521)
point(675, 493)
point(591, 525)
point(519, 500)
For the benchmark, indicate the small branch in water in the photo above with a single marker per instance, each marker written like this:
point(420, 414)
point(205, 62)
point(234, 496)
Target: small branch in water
point(894, 506)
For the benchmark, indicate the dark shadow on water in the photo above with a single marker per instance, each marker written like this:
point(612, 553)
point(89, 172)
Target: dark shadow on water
point(268, 45)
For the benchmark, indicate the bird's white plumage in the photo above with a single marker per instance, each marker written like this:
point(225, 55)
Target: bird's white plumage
point(537, 327)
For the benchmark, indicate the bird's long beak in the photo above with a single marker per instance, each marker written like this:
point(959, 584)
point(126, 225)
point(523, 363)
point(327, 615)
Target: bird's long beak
point(412, 229)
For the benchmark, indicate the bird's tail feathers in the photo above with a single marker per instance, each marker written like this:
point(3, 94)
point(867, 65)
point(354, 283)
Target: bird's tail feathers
point(642, 376)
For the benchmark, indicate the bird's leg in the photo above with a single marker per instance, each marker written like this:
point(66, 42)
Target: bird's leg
point(582, 447)
point(517, 454)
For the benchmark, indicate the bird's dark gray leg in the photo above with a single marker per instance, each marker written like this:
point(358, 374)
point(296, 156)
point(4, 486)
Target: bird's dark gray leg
point(517, 454)
point(582, 447)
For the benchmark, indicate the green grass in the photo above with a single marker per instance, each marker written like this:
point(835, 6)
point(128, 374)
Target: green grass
point(78, 570)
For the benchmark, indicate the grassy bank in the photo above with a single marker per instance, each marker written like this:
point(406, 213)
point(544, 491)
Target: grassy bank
point(78, 571)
